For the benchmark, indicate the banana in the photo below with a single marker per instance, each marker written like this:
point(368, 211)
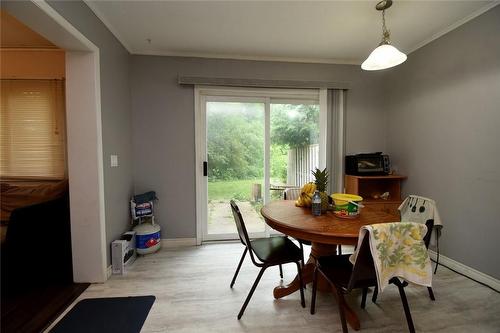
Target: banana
point(303, 189)
point(306, 199)
point(308, 188)
point(306, 194)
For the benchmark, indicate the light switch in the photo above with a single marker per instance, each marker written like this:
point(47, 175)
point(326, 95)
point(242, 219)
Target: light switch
point(114, 161)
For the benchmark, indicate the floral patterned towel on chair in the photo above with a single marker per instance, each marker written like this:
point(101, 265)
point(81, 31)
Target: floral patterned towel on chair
point(398, 250)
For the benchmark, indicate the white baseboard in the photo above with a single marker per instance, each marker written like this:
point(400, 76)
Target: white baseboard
point(467, 271)
point(178, 242)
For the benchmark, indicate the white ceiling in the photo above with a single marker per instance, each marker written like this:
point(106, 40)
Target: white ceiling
point(307, 31)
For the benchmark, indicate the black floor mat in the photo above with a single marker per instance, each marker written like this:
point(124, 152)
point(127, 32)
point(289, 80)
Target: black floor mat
point(104, 315)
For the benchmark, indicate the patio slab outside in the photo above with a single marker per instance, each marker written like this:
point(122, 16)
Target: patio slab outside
point(221, 221)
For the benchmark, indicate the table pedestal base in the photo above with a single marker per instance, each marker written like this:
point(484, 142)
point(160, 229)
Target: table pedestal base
point(318, 250)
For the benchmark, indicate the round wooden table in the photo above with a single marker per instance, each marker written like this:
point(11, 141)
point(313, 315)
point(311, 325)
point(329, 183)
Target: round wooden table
point(325, 232)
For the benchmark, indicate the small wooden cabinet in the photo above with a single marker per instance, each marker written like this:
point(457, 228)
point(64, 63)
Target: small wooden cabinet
point(372, 187)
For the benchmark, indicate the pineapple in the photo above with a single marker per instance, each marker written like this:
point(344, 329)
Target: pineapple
point(321, 182)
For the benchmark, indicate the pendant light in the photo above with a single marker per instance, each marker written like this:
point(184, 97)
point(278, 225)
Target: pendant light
point(385, 55)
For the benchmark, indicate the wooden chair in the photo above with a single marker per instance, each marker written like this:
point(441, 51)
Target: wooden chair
point(272, 251)
point(344, 277)
point(427, 240)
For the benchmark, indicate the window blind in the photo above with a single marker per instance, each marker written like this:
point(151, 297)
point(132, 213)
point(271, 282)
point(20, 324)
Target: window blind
point(33, 129)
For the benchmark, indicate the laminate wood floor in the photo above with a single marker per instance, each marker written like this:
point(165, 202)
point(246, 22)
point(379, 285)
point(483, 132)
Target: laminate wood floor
point(191, 285)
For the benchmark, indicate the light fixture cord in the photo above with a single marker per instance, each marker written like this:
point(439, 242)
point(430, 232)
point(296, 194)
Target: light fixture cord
point(386, 35)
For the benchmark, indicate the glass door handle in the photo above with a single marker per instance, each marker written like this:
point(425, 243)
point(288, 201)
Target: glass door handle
point(205, 168)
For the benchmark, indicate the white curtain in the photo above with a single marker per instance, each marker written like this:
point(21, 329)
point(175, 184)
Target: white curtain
point(335, 137)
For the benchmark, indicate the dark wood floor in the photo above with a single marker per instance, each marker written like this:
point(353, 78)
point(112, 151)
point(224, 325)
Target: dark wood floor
point(32, 311)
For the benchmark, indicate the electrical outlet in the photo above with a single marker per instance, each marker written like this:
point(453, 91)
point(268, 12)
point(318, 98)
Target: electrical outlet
point(114, 161)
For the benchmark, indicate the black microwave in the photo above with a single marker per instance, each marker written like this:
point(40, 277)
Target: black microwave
point(367, 164)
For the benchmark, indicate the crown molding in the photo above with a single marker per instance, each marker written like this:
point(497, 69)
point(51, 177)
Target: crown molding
point(455, 25)
point(108, 25)
point(254, 58)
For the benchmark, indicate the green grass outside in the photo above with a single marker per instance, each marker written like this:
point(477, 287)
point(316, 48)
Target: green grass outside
point(232, 189)
point(240, 190)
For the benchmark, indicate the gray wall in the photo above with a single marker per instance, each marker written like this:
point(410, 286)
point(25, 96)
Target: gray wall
point(440, 110)
point(115, 111)
point(443, 118)
point(164, 128)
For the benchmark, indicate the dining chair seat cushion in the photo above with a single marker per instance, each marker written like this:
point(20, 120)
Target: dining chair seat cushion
point(276, 250)
point(338, 270)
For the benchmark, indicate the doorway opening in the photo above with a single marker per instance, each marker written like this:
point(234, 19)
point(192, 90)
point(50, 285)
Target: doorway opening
point(84, 135)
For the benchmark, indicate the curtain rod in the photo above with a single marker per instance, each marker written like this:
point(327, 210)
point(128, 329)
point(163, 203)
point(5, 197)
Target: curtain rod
point(262, 83)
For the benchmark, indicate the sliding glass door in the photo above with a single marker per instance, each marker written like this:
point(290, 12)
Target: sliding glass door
point(235, 156)
point(253, 146)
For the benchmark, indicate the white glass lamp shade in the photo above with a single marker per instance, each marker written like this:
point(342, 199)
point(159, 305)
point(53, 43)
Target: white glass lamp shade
point(384, 56)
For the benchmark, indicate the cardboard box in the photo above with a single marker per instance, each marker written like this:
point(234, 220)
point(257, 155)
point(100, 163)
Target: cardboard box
point(123, 252)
